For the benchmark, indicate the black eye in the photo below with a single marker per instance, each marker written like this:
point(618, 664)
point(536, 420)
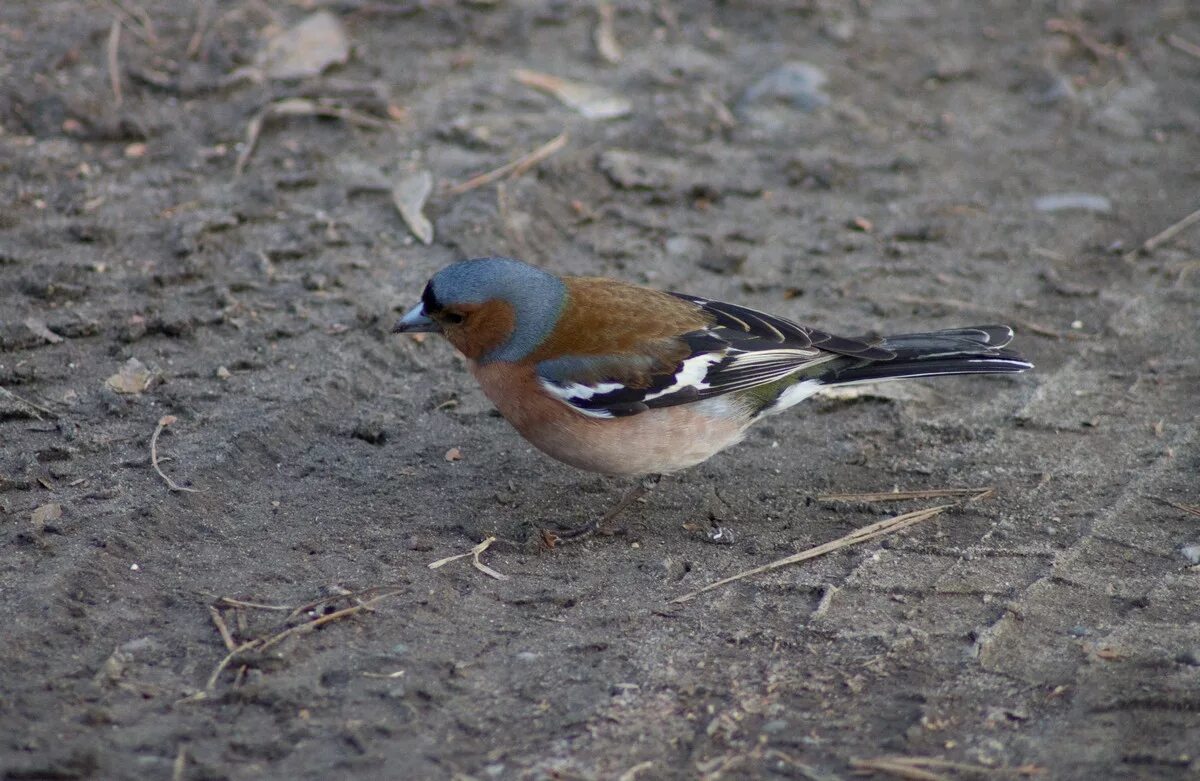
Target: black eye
point(454, 318)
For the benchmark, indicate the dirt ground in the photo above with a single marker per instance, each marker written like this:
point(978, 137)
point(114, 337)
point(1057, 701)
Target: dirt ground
point(1052, 629)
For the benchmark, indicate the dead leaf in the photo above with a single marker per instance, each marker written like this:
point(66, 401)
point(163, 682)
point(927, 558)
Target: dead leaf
point(454, 454)
point(133, 378)
point(307, 48)
point(40, 328)
point(589, 100)
point(45, 514)
point(409, 197)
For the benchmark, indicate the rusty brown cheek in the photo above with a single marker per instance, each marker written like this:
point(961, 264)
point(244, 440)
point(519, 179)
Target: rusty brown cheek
point(487, 326)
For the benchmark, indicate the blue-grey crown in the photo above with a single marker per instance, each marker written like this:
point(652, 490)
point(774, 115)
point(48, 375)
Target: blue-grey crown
point(536, 298)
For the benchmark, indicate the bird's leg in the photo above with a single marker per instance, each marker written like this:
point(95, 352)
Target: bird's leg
point(645, 485)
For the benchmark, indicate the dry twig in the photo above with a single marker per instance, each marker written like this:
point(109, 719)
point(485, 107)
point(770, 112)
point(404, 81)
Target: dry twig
point(513, 169)
point(163, 422)
point(1163, 236)
point(879, 529)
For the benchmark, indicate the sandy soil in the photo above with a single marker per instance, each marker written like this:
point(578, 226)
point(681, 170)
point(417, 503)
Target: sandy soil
point(1053, 627)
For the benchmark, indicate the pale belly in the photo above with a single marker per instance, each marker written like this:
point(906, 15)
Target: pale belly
point(657, 441)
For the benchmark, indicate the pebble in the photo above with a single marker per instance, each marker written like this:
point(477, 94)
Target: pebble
point(1191, 657)
point(1049, 88)
point(796, 83)
point(632, 171)
point(1191, 553)
point(685, 247)
point(1061, 202)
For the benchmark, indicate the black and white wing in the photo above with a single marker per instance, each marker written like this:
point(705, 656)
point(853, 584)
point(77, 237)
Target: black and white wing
point(740, 349)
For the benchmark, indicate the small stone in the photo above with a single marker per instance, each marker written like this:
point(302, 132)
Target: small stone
point(632, 171)
point(1191, 657)
point(223, 373)
point(45, 515)
point(1048, 88)
point(685, 247)
point(453, 454)
point(1191, 553)
point(795, 84)
point(369, 431)
point(722, 261)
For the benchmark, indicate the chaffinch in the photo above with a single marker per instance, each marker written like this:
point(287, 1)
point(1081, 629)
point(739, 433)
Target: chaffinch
point(624, 380)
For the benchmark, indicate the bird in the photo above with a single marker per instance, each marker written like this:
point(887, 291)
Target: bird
point(620, 379)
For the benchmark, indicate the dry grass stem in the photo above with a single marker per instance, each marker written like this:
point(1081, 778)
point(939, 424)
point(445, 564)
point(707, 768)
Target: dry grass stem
point(1184, 45)
point(139, 22)
point(179, 766)
point(474, 554)
point(112, 52)
point(220, 668)
point(197, 40)
point(163, 422)
point(605, 38)
point(265, 642)
point(1193, 509)
point(222, 628)
point(1163, 236)
point(298, 107)
point(899, 496)
point(856, 537)
point(231, 602)
point(5, 393)
point(921, 768)
point(897, 769)
point(514, 168)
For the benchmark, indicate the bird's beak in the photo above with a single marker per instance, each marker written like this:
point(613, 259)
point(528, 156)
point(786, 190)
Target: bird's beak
point(416, 322)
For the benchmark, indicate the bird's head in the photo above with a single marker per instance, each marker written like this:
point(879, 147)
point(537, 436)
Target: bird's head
point(491, 309)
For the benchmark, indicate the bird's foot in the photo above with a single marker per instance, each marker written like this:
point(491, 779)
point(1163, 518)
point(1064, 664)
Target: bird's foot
point(551, 538)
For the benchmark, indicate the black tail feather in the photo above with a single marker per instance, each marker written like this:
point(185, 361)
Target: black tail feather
point(975, 350)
